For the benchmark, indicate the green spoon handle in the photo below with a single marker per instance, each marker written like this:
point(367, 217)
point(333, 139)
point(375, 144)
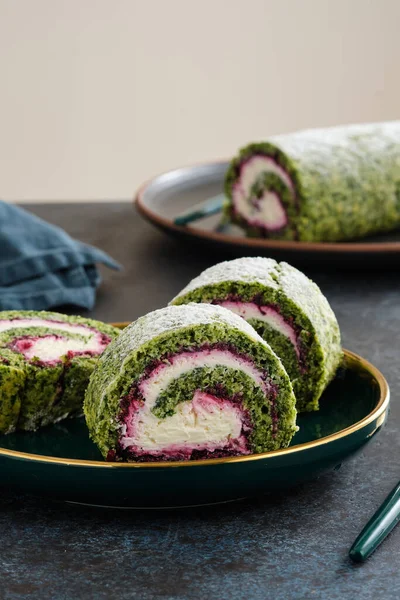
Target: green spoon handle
point(207, 208)
point(378, 527)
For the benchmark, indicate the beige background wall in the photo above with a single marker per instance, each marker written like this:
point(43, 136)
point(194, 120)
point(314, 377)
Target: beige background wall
point(98, 95)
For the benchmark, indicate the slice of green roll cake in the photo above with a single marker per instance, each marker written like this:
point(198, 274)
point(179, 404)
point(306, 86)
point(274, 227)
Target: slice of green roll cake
point(45, 363)
point(189, 382)
point(329, 184)
point(286, 308)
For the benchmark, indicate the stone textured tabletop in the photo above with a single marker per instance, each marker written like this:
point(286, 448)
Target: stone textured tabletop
point(288, 546)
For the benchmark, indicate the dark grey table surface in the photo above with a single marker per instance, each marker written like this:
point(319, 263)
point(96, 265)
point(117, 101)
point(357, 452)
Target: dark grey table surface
point(288, 546)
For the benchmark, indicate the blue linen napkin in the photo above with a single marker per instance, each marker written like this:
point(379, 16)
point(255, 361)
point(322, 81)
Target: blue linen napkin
point(42, 267)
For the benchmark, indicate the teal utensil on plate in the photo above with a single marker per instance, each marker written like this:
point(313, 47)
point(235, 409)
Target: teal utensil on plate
point(209, 207)
point(378, 527)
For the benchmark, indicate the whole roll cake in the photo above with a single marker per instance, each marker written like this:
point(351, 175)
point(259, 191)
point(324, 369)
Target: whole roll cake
point(46, 360)
point(185, 383)
point(286, 308)
point(330, 184)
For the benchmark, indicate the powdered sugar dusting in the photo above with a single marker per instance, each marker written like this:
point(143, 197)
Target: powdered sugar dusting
point(321, 141)
point(257, 269)
point(161, 322)
point(174, 318)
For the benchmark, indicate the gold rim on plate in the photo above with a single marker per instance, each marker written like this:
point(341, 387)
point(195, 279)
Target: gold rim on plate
point(357, 361)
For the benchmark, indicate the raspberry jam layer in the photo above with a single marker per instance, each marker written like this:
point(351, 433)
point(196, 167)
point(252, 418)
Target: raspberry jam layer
point(211, 424)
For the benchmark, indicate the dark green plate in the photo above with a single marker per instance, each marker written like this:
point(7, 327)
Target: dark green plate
point(60, 460)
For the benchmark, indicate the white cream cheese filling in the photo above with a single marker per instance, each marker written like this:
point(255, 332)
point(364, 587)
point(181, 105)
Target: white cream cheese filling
point(256, 166)
point(51, 348)
point(266, 314)
point(48, 323)
point(196, 423)
point(267, 210)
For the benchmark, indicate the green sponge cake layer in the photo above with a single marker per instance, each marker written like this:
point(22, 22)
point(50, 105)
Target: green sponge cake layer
point(189, 382)
point(328, 184)
point(286, 308)
point(45, 363)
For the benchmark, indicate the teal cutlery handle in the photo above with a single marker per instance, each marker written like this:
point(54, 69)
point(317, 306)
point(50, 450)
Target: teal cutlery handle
point(207, 208)
point(384, 520)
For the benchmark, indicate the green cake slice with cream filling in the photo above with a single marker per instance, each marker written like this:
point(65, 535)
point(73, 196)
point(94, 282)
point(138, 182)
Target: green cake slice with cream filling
point(330, 184)
point(185, 383)
point(286, 308)
point(46, 360)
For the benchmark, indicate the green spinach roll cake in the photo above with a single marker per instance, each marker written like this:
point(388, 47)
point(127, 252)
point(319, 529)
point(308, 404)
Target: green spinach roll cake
point(286, 308)
point(46, 360)
point(185, 383)
point(328, 184)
